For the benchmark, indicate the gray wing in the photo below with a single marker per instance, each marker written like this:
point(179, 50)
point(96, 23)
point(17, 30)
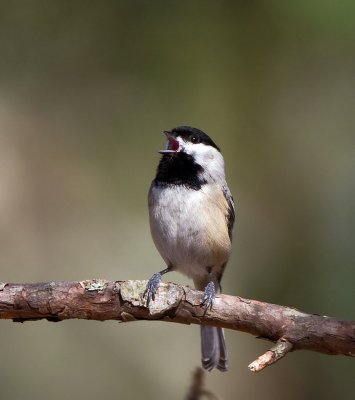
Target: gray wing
point(231, 210)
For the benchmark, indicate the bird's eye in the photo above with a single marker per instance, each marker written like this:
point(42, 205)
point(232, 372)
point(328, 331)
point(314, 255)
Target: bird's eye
point(194, 139)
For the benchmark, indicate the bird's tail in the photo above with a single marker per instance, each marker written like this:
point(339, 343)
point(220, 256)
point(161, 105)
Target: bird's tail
point(213, 348)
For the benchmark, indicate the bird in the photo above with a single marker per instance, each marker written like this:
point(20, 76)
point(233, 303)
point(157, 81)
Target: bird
point(191, 215)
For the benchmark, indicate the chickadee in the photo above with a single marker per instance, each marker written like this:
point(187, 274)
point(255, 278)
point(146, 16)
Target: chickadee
point(191, 214)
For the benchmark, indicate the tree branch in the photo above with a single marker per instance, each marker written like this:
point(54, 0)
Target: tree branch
point(102, 300)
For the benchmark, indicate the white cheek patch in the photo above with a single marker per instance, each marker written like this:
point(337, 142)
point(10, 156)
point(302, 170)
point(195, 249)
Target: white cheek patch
point(210, 159)
point(200, 152)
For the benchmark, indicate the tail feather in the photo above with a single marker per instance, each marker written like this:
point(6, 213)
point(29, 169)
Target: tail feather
point(213, 348)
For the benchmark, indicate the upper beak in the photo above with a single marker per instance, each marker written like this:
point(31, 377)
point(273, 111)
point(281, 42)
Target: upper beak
point(172, 145)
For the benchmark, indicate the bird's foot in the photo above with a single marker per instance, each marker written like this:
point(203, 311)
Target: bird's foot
point(209, 295)
point(152, 287)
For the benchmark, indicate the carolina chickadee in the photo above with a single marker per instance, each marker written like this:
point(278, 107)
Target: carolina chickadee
point(191, 214)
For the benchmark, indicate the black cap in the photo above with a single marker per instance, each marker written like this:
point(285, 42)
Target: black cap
point(193, 135)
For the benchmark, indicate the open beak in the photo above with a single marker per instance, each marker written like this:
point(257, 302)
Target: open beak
point(172, 145)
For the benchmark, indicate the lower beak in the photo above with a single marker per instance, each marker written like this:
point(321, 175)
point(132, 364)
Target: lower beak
point(172, 145)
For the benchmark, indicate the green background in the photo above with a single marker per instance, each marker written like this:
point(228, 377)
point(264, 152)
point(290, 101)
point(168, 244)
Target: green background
point(86, 88)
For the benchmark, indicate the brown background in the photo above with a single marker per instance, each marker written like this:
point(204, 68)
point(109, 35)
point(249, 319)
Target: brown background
point(86, 89)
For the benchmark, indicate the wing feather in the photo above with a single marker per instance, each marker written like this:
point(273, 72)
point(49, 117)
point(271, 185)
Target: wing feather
point(231, 211)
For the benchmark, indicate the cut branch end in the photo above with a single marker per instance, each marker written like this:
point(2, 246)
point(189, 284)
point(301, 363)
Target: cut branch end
point(281, 348)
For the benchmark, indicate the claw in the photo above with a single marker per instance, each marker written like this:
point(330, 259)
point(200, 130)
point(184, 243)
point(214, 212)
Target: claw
point(152, 287)
point(209, 295)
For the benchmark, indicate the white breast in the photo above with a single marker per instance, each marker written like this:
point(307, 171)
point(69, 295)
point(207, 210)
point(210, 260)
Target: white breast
point(189, 228)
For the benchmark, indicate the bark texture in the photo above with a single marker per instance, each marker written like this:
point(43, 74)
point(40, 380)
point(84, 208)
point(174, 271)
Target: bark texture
point(103, 300)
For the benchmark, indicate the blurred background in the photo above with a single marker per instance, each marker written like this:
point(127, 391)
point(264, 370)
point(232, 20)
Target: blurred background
point(86, 88)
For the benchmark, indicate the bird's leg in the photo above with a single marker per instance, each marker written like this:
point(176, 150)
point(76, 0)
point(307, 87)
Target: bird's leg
point(153, 284)
point(210, 291)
